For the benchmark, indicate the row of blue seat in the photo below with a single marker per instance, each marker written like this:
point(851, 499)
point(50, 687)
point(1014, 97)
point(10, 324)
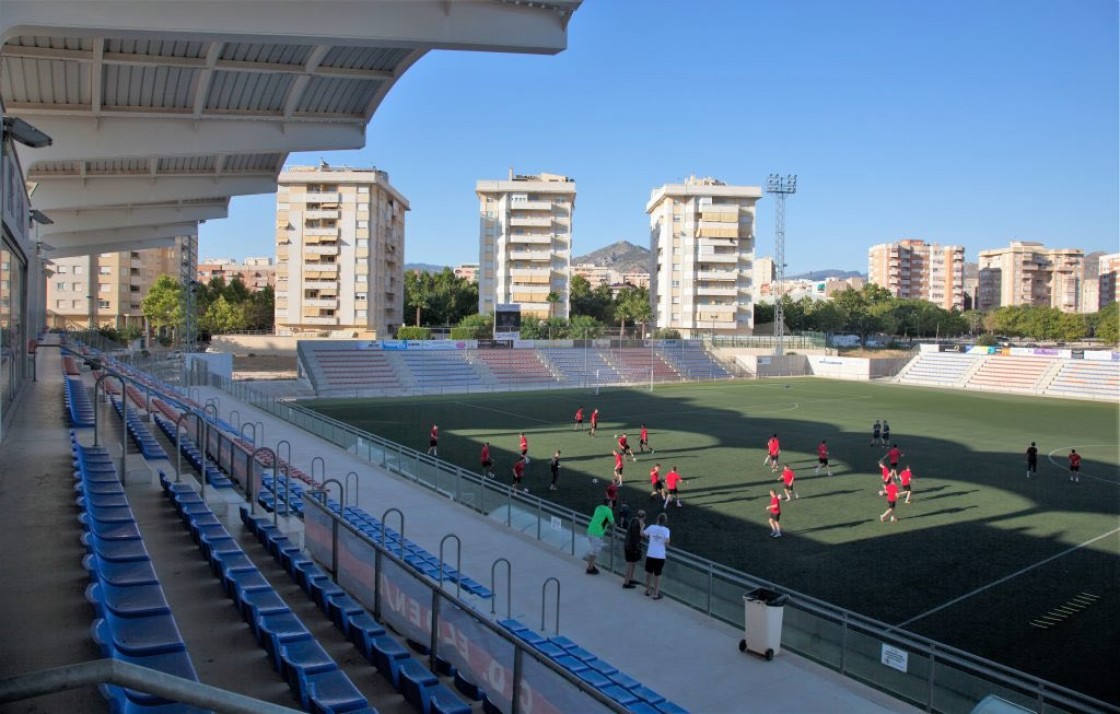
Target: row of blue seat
point(141, 434)
point(597, 672)
point(416, 556)
point(134, 622)
point(419, 686)
point(78, 403)
point(214, 475)
point(309, 670)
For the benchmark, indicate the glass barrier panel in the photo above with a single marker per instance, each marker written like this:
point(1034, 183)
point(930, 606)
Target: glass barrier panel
point(545, 690)
point(894, 669)
point(813, 636)
point(958, 690)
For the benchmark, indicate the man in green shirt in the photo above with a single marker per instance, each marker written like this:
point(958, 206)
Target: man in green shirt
point(595, 531)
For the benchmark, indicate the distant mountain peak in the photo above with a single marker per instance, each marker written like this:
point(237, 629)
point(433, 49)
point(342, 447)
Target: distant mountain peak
point(622, 256)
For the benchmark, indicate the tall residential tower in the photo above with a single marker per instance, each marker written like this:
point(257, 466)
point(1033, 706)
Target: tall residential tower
point(702, 246)
point(1028, 273)
point(525, 244)
point(915, 270)
point(339, 251)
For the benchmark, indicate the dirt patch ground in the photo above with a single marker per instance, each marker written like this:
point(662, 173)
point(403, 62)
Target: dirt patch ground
point(264, 366)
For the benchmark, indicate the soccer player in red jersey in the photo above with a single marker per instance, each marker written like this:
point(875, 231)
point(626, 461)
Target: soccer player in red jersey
point(1074, 466)
point(822, 458)
point(617, 466)
point(433, 441)
point(487, 462)
point(893, 455)
point(519, 472)
point(672, 482)
point(656, 483)
point(787, 479)
point(887, 473)
point(524, 444)
point(904, 478)
point(773, 451)
point(612, 496)
point(624, 447)
point(891, 492)
point(775, 511)
point(579, 420)
point(643, 441)
point(594, 422)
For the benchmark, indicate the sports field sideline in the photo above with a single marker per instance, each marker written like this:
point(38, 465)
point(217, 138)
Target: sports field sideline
point(1022, 571)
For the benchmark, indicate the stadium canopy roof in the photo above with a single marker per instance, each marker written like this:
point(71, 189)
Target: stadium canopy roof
point(161, 111)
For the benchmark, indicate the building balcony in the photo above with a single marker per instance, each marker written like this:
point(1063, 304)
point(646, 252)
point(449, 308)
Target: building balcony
point(718, 275)
point(531, 221)
point(318, 213)
point(328, 284)
point(320, 302)
point(333, 232)
point(728, 257)
point(533, 239)
point(320, 268)
point(717, 290)
point(319, 320)
point(531, 206)
point(530, 255)
point(320, 250)
point(321, 197)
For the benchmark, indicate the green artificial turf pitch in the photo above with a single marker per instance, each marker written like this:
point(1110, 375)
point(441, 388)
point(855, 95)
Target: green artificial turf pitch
point(976, 519)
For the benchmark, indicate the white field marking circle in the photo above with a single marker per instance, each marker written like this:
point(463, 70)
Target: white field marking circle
point(1065, 467)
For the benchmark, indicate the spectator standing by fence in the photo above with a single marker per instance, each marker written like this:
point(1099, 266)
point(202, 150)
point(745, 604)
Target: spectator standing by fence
point(658, 536)
point(596, 528)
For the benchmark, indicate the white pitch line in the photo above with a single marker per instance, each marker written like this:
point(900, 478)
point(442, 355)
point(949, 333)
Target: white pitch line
point(502, 411)
point(1004, 579)
point(1050, 458)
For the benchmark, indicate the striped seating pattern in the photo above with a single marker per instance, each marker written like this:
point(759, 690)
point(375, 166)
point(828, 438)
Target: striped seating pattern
point(1088, 378)
point(515, 367)
point(693, 362)
point(1010, 373)
point(940, 368)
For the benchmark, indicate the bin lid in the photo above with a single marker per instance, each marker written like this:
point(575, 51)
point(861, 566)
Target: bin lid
point(766, 597)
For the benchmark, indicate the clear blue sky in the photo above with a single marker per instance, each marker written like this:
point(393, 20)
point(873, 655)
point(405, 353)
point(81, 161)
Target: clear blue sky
point(971, 122)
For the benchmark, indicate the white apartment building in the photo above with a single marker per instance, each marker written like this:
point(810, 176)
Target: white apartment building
point(106, 290)
point(915, 270)
point(762, 276)
point(525, 243)
point(1028, 273)
point(339, 251)
point(702, 245)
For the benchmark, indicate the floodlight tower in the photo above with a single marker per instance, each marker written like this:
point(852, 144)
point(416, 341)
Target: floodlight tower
point(780, 188)
point(188, 275)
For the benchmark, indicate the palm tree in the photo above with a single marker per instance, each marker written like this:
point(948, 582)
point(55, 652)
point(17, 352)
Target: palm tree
point(553, 299)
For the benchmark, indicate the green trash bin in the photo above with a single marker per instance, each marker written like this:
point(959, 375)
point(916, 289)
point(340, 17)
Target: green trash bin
point(763, 610)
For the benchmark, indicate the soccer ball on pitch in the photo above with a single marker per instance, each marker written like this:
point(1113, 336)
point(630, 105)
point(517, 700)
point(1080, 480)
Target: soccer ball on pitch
point(594, 480)
point(881, 493)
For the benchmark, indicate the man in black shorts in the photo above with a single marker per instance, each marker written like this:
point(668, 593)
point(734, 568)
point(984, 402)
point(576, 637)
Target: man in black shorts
point(876, 432)
point(554, 466)
point(1032, 460)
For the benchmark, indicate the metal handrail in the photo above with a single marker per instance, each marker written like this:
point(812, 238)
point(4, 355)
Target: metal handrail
point(132, 676)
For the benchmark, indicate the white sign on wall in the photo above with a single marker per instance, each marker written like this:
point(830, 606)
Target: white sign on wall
point(894, 658)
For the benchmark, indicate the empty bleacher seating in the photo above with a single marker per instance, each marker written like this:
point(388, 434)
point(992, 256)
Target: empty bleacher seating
point(938, 368)
point(515, 368)
point(1010, 373)
point(1086, 378)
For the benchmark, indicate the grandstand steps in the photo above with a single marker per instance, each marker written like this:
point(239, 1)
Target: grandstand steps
point(1048, 377)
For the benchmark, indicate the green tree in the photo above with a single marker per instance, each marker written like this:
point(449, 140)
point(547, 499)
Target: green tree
point(1108, 324)
point(161, 304)
point(585, 327)
point(632, 304)
point(223, 316)
point(260, 311)
point(235, 292)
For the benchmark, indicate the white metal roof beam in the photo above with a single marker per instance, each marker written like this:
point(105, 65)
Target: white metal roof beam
point(202, 85)
point(210, 62)
point(299, 84)
point(82, 138)
point(68, 245)
point(434, 24)
point(71, 192)
point(116, 217)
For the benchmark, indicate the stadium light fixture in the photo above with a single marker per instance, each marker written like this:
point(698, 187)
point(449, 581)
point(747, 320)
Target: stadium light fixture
point(25, 134)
